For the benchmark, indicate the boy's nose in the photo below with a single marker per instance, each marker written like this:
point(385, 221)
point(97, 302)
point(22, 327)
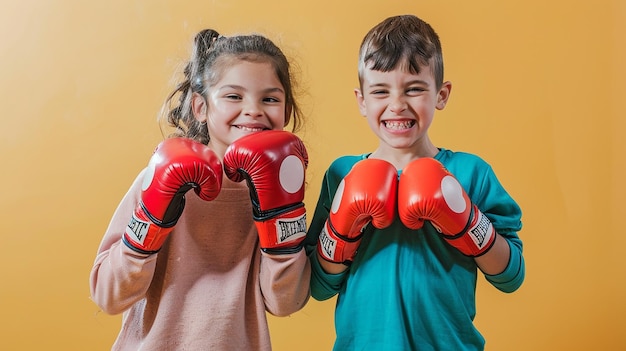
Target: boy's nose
point(397, 104)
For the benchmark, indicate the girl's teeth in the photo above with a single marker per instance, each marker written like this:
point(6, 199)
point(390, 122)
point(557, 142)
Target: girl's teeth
point(248, 129)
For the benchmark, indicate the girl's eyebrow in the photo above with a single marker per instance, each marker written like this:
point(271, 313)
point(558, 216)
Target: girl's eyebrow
point(274, 90)
point(232, 86)
point(239, 87)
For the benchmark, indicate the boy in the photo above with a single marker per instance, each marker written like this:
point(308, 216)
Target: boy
point(408, 282)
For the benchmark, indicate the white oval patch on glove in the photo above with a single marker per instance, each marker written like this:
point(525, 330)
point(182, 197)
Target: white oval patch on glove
point(338, 196)
point(291, 174)
point(453, 194)
point(148, 176)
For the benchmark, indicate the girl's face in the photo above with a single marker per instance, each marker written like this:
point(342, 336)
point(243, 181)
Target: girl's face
point(248, 98)
point(400, 106)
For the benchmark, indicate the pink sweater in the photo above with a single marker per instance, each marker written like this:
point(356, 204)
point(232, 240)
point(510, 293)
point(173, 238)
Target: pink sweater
point(207, 289)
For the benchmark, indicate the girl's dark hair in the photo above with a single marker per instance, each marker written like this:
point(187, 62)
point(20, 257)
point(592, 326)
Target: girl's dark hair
point(402, 40)
point(211, 54)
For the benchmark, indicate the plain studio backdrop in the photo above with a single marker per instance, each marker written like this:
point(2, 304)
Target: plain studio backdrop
point(538, 92)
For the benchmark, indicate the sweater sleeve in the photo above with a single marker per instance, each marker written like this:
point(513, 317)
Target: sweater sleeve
point(513, 276)
point(323, 284)
point(285, 281)
point(120, 277)
point(505, 214)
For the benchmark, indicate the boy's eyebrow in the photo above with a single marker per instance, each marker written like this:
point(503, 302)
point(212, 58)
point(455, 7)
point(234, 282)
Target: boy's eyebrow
point(418, 81)
point(415, 81)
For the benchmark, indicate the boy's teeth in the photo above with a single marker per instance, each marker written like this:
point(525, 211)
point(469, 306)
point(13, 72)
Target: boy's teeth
point(398, 124)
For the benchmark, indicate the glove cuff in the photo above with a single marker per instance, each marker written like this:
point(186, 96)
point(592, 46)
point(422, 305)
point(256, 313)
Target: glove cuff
point(283, 233)
point(142, 235)
point(478, 238)
point(337, 248)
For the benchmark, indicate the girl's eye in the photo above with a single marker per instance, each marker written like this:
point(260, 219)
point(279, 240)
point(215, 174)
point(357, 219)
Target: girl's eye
point(271, 99)
point(233, 97)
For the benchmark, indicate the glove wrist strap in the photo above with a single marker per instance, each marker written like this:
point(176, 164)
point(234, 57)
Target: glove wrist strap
point(283, 233)
point(337, 248)
point(478, 238)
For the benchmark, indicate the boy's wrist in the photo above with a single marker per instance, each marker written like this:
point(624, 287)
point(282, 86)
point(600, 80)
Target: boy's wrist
point(331, 267)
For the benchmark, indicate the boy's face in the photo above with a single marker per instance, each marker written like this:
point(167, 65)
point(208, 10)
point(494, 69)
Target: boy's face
point(400, 106)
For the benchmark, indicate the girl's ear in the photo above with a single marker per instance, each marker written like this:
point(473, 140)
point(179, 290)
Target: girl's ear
point(360, 102)
point(199, 107)
point(443, 95)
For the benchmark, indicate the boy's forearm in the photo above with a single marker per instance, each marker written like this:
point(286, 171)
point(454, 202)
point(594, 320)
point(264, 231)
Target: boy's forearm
point(330, 267)
point(324, 285)
point(497, 258)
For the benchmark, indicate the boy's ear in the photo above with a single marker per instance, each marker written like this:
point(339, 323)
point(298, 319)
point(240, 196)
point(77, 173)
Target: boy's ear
point(199, 107)
point(443, 95)
point(360, 101)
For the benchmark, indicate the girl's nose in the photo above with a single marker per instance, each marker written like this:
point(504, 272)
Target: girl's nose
point(253, 109)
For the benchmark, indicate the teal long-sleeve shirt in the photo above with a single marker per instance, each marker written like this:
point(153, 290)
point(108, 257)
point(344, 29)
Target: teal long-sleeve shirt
point(409, 289)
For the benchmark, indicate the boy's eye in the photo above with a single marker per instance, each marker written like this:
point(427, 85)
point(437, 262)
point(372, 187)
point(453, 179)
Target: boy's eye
point(233, 97)
point(415, 90)
point(379, 92)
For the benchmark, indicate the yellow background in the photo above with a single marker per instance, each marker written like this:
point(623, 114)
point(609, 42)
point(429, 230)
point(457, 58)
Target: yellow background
point(538, 91)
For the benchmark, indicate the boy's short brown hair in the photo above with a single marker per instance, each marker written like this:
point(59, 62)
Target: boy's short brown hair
point(402, 40)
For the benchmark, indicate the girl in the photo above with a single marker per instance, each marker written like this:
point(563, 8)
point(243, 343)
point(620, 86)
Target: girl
point(200, 279)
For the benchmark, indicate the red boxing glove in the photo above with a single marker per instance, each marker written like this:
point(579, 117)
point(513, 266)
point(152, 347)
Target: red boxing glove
point(366, 194)
point(177, 165)
point(427, 191)
point(273, 163)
